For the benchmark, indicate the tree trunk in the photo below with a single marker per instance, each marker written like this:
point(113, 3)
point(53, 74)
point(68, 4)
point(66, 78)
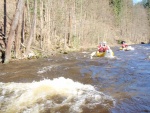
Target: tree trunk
point(32, 29)
point(49, 24)
point(28, 13)
point(81, 22)
point(35, 15)
point(23, 28)
point(69, 28)
point(18, 37)
point(41, 23)
point(11, 35)
point(5, 20)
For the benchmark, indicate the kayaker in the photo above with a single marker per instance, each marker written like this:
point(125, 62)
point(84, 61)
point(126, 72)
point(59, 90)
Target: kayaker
point(124, 45)
point(100, 47)
point(103, 47)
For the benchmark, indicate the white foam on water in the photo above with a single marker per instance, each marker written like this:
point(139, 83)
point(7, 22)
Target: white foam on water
point(65, 57)
point(37, 97)
point(109, 54)
point(1, 74)
point(85, 52)
point(45, 69)
point(144, 47)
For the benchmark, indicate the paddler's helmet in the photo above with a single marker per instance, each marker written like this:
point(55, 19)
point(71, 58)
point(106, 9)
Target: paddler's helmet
point(104, 43)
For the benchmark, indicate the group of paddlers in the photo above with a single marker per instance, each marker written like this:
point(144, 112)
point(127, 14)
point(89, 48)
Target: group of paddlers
point(102, 47)
point(103, 50)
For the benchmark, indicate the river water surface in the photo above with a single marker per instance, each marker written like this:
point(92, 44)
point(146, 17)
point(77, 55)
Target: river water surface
point(74, 83)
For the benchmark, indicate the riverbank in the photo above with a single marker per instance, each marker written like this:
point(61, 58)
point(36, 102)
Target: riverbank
point(39, 53)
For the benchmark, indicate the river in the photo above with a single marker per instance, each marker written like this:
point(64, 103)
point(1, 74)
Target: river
point(74, 83)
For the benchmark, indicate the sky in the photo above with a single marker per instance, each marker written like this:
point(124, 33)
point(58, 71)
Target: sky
point(136, 1)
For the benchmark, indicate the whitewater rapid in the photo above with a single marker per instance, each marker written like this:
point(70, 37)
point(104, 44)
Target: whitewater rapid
point(54, 95)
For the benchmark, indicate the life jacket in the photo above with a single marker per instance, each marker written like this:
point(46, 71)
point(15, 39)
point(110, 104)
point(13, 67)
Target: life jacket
point(124, 45)
point(100, 48)
point(105, 48)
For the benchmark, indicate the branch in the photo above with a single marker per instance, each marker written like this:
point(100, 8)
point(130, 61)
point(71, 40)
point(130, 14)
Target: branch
point(23, 45)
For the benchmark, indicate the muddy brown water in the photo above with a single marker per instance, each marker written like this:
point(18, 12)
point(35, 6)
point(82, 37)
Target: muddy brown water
point(74, 83)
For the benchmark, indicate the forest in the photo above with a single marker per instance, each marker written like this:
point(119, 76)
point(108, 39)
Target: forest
point(41, 28)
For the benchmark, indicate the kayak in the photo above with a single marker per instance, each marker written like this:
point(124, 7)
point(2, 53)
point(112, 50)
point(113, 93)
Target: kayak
point(100, 54)
point(108, 54)
point(129, 48)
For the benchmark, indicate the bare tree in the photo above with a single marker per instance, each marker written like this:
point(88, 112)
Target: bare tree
point(41, 23)
point(32, 30)
point(5, 19)
point(11, 35)
point(18, 37)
